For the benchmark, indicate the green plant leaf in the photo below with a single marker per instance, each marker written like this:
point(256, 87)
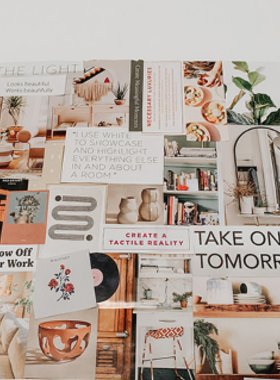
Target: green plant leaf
point(236, 99)
point(259, 69)
point(243, 66)
point(242, 83)
point(273, 118)
point(259, 104)
point(263, 100)
point(249, 117)
point(248, 106)
point(202, 330)
point(255, 78)
point(237, 118)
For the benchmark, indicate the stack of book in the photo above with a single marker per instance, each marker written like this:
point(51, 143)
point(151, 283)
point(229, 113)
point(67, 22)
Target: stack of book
point(199, 181)
point(175, 213)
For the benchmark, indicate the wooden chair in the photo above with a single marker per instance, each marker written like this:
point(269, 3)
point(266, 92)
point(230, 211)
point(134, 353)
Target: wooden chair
point(36, 146)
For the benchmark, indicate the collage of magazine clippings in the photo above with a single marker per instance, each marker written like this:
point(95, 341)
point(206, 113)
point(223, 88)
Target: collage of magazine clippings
point(139, 220)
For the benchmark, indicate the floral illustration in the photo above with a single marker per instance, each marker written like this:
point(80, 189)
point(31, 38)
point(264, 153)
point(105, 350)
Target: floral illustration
point(61, 283)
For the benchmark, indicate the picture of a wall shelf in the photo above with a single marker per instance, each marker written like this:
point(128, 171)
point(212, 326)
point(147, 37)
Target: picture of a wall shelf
point(165, 275)
point(258, 215)
point(207, 194)
point(190, 160)
point(237, 311)
point(165, 257)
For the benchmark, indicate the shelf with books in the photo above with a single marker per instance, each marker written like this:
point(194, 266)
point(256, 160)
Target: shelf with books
point(190, 209)
point(194, 171)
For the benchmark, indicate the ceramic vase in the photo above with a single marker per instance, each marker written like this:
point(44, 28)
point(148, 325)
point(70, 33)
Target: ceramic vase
point(149, 294)
point(119, 121)
point(226, 361)
point(128, 211)
point(200, 358)
point(6, 151)
point(184, 304)
point(219, 291)
point(149, 209)
point(246, 205)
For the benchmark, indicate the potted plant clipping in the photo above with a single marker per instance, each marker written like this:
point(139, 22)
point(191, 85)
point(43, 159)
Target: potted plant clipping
point(207, 347)
point(14, 105)
point(182, 298)
point(244, 193)
point(258, 105)
point(120, 92)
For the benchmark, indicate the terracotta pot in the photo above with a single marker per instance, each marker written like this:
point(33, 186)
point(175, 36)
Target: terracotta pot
point(196, 299)
point(183, 304)
point(119, 102)
point(6, 152)
point(150, 209)
point(128, 211)
point(70, 332)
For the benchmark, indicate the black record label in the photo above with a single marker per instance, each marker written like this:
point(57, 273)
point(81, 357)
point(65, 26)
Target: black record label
point(105, 274)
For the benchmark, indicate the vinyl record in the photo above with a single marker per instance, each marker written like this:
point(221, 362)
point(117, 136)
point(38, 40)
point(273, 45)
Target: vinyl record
point(105, 275)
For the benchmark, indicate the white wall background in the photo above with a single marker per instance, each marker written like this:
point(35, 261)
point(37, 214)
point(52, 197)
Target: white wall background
point(150, 29)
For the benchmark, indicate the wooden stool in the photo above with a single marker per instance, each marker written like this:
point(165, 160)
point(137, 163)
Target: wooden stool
point(165, 332)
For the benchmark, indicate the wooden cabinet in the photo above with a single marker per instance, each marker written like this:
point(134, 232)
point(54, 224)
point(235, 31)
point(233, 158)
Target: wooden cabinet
point(115, 342)
point(69, 115)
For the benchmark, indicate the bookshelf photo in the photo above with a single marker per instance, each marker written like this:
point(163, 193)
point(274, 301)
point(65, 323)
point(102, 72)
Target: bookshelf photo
point(192, 192)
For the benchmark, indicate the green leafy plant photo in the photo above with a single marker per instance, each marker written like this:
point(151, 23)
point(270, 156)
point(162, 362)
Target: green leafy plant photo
point(26, 300)
point(202, 332)
point(259, 106)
